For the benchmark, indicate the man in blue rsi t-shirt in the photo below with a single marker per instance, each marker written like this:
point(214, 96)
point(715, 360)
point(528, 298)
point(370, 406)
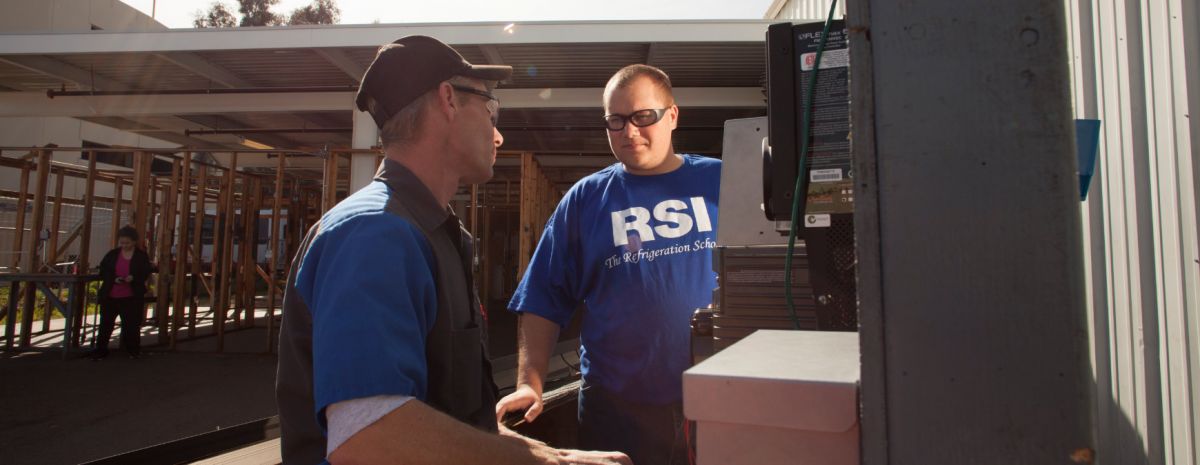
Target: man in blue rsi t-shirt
point(630, 242)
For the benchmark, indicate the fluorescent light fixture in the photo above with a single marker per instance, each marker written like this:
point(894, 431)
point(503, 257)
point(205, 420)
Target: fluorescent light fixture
point(255, 144)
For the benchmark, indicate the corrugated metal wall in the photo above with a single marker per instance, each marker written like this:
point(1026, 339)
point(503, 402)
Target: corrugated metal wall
point(1136, 67)
point(807, 10)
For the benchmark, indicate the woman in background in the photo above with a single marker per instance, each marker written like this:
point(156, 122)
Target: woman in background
point(124, 271)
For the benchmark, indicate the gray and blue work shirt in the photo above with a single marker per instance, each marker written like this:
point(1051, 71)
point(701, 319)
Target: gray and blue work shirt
point(380, 301)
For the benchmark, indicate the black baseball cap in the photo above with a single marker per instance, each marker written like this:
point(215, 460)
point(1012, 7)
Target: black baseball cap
point(411, 66)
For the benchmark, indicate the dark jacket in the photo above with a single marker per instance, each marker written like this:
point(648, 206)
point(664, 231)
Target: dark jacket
point(139, 267)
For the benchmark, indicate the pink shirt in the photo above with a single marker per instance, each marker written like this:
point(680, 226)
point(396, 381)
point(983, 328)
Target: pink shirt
point(121, 289)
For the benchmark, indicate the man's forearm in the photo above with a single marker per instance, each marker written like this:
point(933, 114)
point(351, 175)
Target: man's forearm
point(536, 337)
point(416, 433)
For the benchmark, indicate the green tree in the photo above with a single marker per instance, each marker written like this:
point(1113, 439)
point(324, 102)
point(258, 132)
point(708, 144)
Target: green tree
point(258, 13)
point(217, 16)
point(319, 12)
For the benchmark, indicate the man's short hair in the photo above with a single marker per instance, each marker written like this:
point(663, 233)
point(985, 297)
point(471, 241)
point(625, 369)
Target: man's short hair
point(625, 76)
point(403, 127)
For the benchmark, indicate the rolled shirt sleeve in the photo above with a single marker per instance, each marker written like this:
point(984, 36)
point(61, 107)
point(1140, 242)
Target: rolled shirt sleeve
point(348, 417)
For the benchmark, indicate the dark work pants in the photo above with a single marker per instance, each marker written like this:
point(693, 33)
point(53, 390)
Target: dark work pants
point(132, 311)
point(649, 434)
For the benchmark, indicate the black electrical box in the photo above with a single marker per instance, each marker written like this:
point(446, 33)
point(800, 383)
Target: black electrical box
point(791, 54)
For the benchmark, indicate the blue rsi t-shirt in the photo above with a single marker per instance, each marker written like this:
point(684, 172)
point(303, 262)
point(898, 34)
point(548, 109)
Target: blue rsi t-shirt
point(635, 250)
point(367, 278)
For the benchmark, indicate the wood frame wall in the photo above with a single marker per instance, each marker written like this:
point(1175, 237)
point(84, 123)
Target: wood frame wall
point(170, 209)
point(165, 210)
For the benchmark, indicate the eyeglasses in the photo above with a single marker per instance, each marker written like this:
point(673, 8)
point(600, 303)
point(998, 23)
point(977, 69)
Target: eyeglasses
point(640, 118)
point(493, 103)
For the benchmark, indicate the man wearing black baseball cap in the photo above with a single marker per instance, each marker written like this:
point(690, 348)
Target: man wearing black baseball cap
point(381, 351)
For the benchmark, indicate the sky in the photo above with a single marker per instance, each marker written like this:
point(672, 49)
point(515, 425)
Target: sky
point(180, 13)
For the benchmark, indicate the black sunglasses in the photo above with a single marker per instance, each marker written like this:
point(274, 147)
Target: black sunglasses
point(640, 118)
point(493, 103)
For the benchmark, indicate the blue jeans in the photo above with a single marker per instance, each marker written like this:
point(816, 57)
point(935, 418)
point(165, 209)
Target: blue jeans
point(650, 434)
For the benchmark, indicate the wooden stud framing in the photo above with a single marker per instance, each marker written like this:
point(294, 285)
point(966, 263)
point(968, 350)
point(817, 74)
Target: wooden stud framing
point(248, 265)
point(30, 260)
point(181, 250)
point(238, 287)
point(85, 247)
point(55, 219)
point(254, 203)
point(150, 230)
point(118, 194)
point(198, 251)
point(218, 246)
point(52, 249)
point(19, 230)
point(165, 235)
point(526, 242)
point(238, 252)
point(171, 225)
point(329, 184)
point(142, 195)
point(249, 248)
point(245, 260)
point(327, 181)
point(276, 205)
point(297, 209)
point(538, 199)
point(18, 235)
point(223, 278)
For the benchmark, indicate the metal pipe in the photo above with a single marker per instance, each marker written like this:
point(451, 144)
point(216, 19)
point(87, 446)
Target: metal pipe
point(245, 90)
point(521, 128)
point(172, 151)
point(597, 127)
point(202, 132)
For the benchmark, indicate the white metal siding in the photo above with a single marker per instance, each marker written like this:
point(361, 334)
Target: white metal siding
point(807, 10)
point(1136, 66)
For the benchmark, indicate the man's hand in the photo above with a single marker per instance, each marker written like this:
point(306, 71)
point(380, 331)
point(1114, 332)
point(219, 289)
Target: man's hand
point(550, 455)
point(584, 457)
point(432, 437)
point(505, 431)
point(524, 398)
point(568, 456)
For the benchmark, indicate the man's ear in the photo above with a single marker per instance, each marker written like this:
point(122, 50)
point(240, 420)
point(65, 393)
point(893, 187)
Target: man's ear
point(673, 114)
point(445, 101)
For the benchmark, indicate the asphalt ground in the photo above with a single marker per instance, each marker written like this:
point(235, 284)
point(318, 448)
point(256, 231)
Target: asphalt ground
point(55, 411)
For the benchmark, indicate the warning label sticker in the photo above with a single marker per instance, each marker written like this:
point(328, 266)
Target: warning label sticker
point(829, 59)
point(825, 175)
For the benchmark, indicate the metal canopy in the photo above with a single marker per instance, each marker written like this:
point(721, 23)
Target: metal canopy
point(551, 103)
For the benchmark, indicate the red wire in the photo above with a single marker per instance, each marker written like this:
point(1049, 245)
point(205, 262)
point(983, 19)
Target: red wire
point(687, 438)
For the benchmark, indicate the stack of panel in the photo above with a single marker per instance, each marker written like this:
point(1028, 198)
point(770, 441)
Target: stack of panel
point(750, 292)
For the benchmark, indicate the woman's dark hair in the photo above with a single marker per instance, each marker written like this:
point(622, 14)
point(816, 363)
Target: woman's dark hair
point(129, 232)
